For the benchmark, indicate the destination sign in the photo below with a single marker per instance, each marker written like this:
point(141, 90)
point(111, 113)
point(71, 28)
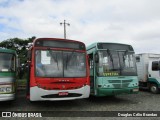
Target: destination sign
point(60, 44)
point(111, 74)
point(114, 46)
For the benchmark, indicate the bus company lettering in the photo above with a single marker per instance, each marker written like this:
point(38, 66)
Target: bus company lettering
point(110, 74)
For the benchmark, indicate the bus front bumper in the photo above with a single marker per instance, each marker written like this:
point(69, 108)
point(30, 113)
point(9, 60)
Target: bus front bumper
point(7, 97)
point(36, 94)
point(112, 92)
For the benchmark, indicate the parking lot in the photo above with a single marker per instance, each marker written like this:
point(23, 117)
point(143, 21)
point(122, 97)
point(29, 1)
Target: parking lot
point(144, 101)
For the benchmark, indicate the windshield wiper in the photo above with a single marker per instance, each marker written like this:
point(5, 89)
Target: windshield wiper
point(69, 57)
point(109, 53)
point(123, 54)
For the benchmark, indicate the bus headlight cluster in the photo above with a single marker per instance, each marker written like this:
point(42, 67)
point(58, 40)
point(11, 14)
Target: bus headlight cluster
point(106, 86)
point(136, 84)
point(5, 88)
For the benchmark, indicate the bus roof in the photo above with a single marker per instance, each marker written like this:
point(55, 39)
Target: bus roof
point(4, 50)
point(100, 45)
point(60, 39)
point(58, 43)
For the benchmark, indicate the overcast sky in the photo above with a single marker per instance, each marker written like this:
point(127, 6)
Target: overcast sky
point(135, 22)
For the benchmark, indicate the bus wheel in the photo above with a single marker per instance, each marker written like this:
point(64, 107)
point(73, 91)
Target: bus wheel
point(154, 88)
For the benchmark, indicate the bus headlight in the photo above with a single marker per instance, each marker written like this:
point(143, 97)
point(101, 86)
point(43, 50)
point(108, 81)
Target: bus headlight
point(5, 88)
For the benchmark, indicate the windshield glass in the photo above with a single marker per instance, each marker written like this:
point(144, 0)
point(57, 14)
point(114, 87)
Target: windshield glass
point(113, 63)
point(51, 63)
point(7, 62)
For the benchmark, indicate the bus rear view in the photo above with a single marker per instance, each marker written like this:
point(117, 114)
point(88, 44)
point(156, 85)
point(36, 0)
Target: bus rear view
point(58, 70)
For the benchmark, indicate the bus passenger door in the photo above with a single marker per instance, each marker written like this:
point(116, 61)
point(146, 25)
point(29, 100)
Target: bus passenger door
point(91, 66)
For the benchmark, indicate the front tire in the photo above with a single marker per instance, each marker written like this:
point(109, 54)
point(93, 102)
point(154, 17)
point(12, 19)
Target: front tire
point(154, 88)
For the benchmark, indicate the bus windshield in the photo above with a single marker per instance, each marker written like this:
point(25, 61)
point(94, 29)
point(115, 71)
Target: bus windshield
point(113, 63)
point(52, 63)
point(7, 62)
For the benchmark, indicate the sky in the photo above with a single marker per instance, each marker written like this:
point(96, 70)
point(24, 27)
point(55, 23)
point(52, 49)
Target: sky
point(134, 22)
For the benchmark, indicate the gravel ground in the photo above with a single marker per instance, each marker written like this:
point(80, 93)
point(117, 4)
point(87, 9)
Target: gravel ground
point(143, 101)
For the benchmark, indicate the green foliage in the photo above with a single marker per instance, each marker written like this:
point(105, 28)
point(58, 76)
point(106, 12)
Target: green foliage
point(20, 45)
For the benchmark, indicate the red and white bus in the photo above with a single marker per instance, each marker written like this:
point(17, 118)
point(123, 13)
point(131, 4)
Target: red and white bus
point(57, 70)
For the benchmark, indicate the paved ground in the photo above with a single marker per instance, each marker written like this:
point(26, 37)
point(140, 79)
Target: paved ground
point(144, 101)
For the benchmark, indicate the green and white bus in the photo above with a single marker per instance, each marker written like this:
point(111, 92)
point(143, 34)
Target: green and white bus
point(112, 69)
point(7, 74)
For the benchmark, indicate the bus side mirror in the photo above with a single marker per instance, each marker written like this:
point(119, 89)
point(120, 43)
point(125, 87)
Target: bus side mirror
point(96, 58)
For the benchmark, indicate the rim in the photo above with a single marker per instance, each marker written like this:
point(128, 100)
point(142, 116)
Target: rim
point(154, 89)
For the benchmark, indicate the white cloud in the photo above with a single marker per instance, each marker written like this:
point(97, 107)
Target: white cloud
point(135, 22)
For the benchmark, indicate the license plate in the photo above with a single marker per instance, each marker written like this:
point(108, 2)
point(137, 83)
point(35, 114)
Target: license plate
point(135, 90)
point(63, 93)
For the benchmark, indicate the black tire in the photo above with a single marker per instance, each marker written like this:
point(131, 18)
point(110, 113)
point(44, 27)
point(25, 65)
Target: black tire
point(154, 88)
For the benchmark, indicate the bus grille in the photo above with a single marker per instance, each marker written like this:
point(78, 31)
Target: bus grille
point(120, 83)
point(57, 96)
